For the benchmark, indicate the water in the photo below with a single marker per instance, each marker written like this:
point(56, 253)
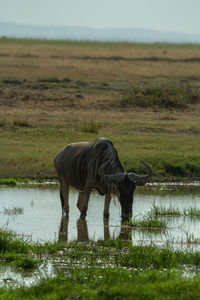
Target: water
point(36, 213)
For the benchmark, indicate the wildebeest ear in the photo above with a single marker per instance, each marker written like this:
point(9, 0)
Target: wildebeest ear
point(140, 179)
point(118, 177)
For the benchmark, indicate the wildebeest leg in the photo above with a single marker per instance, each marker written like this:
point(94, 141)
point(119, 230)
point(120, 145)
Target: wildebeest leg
point(64, 192)
point(106, 229)
point(106, 206)
point(61, 198)
point(84, 205)
point(79, 203)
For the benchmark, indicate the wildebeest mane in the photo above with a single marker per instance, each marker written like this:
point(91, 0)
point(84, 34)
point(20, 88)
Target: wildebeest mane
point(104, 153)
point(90, 159)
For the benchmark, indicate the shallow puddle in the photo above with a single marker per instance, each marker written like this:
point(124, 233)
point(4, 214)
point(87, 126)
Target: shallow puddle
point(36, 213)
point(10, 277)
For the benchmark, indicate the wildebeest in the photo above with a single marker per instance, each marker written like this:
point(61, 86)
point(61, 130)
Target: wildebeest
point(96, 165)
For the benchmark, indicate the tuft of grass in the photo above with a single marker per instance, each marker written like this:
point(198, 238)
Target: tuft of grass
point(192, 212)
point(174, 211)
point(163, 211)
point(149, 221)
point(90, 127)
point(191, 239)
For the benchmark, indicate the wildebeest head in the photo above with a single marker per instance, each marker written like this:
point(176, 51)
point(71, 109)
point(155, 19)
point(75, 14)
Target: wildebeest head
point(124, 186)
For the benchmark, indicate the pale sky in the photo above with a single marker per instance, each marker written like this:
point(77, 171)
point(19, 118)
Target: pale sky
point(167, 15)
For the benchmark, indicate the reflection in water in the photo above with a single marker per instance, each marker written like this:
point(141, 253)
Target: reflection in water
point(125, 233)
point(82, 230)
point(63, 232)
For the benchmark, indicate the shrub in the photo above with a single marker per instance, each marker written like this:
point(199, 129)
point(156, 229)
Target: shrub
point(91, 127)
point(175, 169)
point(22, 123)
point(50, 79)
point(8, 181)
point(3, 121)
point(166, 98)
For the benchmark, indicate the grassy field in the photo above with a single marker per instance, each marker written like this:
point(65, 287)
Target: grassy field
point(145, 98)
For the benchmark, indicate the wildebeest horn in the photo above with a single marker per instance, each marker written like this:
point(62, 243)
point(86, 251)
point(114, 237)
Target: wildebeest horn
point(140, 179)
point(117, 177)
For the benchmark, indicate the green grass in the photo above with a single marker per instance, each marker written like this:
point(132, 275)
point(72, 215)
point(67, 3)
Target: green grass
point(36, 148)
point(9, 242)
point(16, 251)
point(110, 284)
point(24, 262)
point(115, 252)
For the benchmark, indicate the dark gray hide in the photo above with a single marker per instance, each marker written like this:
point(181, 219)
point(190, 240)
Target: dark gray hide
point(95, 165)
